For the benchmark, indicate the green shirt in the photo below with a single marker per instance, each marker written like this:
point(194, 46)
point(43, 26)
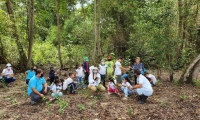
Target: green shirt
point(110, 65)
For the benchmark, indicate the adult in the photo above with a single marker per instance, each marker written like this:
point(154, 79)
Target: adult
point(30, 73)
point(8, 74)
point(86, 69)
point(94, 81)
point(37, 87)
point(138, 66)
point(102, 71)
point(110, 67)
point(118, 70)
point(143, 88)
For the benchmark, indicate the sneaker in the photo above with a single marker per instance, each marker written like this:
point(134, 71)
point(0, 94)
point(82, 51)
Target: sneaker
point(32, 102)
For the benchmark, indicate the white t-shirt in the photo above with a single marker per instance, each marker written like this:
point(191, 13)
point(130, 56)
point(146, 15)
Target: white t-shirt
point(127, 84)
point(102, 69)
point(152, 77)
point(7, 72)
point(55, 88)
point(91, 68)
point(118, 70)
point(79, 72)
point(66, 83)
point(93, 82)
point(111, 85)
point(145, 82)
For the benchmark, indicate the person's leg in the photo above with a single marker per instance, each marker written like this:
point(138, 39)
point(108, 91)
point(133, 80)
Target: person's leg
point(125, 90)
point(27, 81)
point(86, 78)
point(53, 95)
point(72, 88)
point(103, 79)
point(78, 82)
point(92, 88)
point(110, 90)
point(60, 94)
point(101, 88)
point(82, 83)
point(118, 78)
point(143, 93)
point(34, 97)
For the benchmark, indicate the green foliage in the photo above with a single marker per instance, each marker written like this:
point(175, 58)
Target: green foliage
point(196, 82)
point(130, 111)
point(183, 96)
point(81, 106)
point(164, 104)
point(62, 104)
point(176, 82)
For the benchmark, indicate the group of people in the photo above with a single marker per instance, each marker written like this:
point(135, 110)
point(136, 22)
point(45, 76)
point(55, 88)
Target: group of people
point(107, 76)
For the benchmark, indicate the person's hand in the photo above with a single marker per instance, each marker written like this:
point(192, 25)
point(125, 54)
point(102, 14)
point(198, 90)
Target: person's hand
point(120, 85)
point(41, 95)
point(45, 90)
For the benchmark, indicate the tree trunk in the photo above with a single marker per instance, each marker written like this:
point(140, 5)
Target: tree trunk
point(191, 73)
point(23, 58)
point(58, 24)
point(30, 30)
point(95, 34)
point(99, 27)
point(3, 59)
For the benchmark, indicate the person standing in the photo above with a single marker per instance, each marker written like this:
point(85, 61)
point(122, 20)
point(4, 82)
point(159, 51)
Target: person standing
point(118, 70)
point(37, 87)
point(138, 65)
point(110, 67)
point(86, 69)
point(143, 88)
point(30, 74)
point(8, 74)
point(79, 76)
point(102, 71)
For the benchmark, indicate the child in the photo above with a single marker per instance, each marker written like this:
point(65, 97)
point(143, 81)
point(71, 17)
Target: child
point(51, 75)
point(56, 89)
point(102, 71)
point(30, 74)
point(112, 88)
point(126, 84)
point(152, 78)
point(79, 75)
point(69, 83)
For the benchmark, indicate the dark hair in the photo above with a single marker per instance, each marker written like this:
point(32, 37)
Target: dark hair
point(51, 67)
point(111, 80)
point(56, 81)
point(119, 58)
point(127, 79)
point(77, 66)
point(38, 71)
point(62, 80)
point(146, 73)
point(137, 72)
point(70, 74)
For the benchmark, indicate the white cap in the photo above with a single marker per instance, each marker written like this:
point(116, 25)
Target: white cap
point(95, 68)
point(8, 65)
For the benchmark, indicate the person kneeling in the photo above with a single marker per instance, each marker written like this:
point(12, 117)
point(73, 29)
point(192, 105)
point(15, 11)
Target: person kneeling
point(56, 89)
point(37, 87)
point(94, 81)
point(126, 87)
point(69, 84)
point(143, 88)
point(8, 75)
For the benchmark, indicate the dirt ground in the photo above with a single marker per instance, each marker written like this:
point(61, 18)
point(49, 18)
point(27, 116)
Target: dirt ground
point(168, 102)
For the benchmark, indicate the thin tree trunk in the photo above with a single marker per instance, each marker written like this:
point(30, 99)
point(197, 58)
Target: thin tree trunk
point(95, 33)
point(3, 59)
point(99, 27)
point(58, 24)
point(23, 58)
point(30, 30)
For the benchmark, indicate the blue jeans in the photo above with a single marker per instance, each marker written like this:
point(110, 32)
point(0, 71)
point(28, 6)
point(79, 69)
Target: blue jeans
point(8, 80)
point(80, 82)
point(36, 97)
point(127, 91)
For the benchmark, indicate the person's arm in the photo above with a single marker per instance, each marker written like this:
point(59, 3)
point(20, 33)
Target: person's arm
point(36, 92)
point(135, 87)
point(91, 80)
point(26, 73)
point(45, 87)
point(3, 73)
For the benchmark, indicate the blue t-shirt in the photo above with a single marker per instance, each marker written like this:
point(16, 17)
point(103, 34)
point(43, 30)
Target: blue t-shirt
point(30, 74)
point(123, 76)
point(36, 83)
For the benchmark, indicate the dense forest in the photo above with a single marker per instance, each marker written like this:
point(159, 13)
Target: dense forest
point(164, 33)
